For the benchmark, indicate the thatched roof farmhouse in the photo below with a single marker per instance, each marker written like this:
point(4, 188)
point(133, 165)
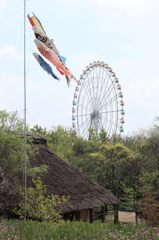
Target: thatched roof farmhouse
point(64, 180)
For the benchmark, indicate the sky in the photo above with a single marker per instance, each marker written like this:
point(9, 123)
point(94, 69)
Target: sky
point(122, 33)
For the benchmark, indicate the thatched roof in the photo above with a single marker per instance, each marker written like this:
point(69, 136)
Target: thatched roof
point(61, 179)
point(64, 180)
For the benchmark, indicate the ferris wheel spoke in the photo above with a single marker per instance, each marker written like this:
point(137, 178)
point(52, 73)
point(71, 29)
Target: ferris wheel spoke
point(108, 103)
point(83, 115)
point(105, 125)
point(109, 120)
point(90, 90)
point(85, 107)
point(85, 127)
point(87, 96)
point(93, 77)
point(104, 86)
point(113, 100)
point(110, 123)
point(104, 82)
point(108, 92)
point(91, 96)
point(108, 88)
point(84, 122)
point(110, 111)
point(87, 130)
point(98, 79)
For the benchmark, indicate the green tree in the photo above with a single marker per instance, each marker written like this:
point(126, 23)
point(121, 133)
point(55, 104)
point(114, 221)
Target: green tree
point(39, 205)
point(111, 162)
point(103, 136)
point(60, 140)
point(38, 129)
point(81, 156)
point(146, 143)
point(133, 183)
point(144, 171)
point(12, 157)
point(12, 147)
point(11, 122)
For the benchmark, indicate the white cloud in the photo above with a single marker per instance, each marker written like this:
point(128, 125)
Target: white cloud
point(83, 61)
point(2, 4)
point(143, 94)
point(123, 63)
point(145, 89)
point(11, 91)
point(139, 12)
point(132, 8)
point(2, 104)
point(12, 81)
point(129, 3)
point(9, 52)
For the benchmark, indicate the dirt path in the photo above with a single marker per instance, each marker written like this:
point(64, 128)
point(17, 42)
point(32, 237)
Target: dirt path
point(124, 216)
point(127, 216)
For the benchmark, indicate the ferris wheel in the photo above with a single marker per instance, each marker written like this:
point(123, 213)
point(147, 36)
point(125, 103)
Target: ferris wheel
point(98, 102)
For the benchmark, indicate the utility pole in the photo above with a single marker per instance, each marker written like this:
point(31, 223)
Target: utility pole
point(25, 163)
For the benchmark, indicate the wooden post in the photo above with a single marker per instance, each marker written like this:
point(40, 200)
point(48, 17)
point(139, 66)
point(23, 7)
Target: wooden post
point(78, 216)
point(86, 215)
point(106, 209)
point(91, 215)
point(116, 217)
point(103, 215)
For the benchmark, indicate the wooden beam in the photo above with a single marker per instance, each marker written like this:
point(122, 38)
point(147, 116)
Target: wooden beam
point(91, 215)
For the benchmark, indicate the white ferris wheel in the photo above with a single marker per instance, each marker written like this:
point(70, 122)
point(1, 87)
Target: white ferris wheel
point(98, 102)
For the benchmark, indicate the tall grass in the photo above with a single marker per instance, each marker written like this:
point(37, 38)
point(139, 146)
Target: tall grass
point(29, 230)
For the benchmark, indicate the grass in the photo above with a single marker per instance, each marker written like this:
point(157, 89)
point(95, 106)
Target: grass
point(30, 230)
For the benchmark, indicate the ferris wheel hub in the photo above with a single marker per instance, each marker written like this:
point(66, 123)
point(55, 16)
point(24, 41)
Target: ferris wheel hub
point(95, 114)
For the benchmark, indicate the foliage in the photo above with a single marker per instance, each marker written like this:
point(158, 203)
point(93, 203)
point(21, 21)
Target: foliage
point(10, 122)
point(38, 129)
point(12, 143)
point(59, 139)
point(12, 156)
point(128, 166)
point(12, 147)
point(111, 161)
point(103, 136)
point(150, 208)
point(29, 230)
point(39, 205)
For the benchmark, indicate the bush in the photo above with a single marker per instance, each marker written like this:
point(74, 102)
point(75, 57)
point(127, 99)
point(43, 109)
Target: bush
point(150, 208)
point(38, 204)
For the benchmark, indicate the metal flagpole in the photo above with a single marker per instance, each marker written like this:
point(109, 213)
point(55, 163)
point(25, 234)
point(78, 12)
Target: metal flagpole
point(25, 164)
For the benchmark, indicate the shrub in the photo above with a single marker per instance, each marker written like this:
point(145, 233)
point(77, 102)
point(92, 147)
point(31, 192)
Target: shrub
point(150, 208)
point(38, 205)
